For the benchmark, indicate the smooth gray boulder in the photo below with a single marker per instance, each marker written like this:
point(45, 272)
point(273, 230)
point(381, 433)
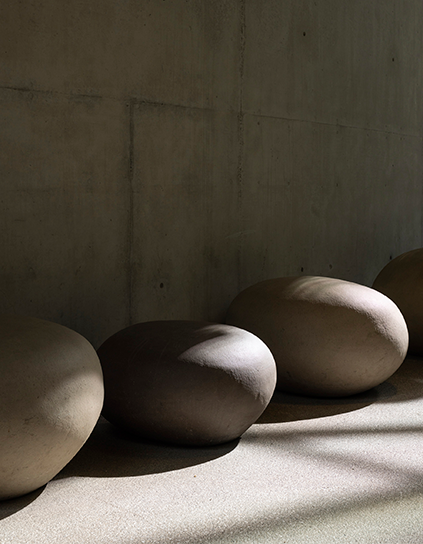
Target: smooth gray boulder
point(186, 382)
point(51, 395)
point(329, 337)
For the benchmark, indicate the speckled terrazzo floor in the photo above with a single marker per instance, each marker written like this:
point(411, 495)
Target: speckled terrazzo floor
point(310, 471)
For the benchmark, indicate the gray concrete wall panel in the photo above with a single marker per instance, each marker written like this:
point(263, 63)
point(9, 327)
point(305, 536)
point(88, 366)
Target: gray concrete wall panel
point(162, 51)
point(158, 156)
point(64, 205)
point(186, 234)
point(352, 63)
point(336, 196)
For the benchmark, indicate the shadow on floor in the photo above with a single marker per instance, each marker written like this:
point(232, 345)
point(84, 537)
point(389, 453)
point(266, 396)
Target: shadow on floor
point(113, 453)
point(12, 506)
point(405, 385)
point(284, 407)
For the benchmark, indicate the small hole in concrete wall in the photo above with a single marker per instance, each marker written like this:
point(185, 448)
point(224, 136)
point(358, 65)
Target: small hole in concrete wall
point(304, 33)
point(330, 267)
point(161, 286)
point(302, 269)
point(390, 257)
point(393, 59)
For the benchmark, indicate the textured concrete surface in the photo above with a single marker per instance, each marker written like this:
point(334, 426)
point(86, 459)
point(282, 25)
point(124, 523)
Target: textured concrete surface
point(352, 64)
point(180, 52)
point(336, 196)
point(310, 470)
point(156, 157)
point(64, 210)
point(185, 213)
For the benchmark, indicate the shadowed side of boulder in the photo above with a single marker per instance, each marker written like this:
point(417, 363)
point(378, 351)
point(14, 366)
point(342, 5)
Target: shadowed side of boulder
point(402, 281)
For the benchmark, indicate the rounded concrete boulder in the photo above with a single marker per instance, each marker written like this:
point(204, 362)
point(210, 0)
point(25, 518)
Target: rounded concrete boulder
point(402, 281)
point(329, 337)
point(186, 382)
point(51, 395)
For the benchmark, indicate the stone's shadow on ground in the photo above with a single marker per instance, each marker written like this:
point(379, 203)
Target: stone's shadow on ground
point(112, 453)
point(12, 506)
point(284, 407)
point(405, 385)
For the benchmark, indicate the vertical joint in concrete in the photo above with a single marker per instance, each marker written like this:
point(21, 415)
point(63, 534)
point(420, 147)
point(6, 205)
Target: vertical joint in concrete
point(241, 68)
point(130, 273)
point(242, 53)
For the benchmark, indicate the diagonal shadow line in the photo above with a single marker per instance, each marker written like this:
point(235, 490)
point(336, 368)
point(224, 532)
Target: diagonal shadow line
point(294, 434)
point(300, 446)
point(401, 485)
point(268, 523)
point(360, 462)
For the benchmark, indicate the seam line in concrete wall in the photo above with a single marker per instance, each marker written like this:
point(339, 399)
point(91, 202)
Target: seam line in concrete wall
point(314, 122)
point(242, 53)
point(241, 143)
point(131, 212)
point(135, 100)
point(57, 93)
point(141, 102)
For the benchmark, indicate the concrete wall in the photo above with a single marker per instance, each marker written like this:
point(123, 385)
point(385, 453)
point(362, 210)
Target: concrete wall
point(158, 156)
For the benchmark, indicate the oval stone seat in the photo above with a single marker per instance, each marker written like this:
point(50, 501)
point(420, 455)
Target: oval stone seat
point(402, 281)
point(186, 382)
point(329, 337)
point(51, 395)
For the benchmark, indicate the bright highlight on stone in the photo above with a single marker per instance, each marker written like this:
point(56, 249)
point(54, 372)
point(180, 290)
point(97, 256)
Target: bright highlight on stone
point(186, 382)
point(329, 337)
